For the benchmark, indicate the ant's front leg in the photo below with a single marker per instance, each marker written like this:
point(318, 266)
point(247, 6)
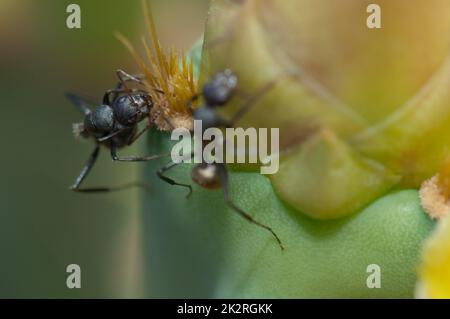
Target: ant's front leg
point(107, 96)
point(223, 172)
point(121, 85)
point(132, 139)
point(87, 168)
point(116, 157)
point(126, 77)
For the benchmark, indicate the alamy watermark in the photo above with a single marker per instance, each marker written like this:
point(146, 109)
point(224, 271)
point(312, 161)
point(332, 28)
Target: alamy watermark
point(374, 19)
point(73, 20)
point(239, 145)
point(73, 280)
point(374, 278)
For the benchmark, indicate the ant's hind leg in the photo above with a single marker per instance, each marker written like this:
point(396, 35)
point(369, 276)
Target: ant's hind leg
point(111, 189)
point(225, 185)
point(131, 139)
point(121, 85)
point(251, 100)
point(116, 157)
point(135, 137)
point(161, 175)
point(87, 168)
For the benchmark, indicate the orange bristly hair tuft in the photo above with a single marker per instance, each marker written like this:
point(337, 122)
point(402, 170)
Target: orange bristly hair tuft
point(169, 75)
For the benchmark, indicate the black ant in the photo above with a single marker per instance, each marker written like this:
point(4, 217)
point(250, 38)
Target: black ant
point(217, 92)
point(113, 124)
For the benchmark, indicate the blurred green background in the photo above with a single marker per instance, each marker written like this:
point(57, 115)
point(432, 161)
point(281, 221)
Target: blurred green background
point(44, 226)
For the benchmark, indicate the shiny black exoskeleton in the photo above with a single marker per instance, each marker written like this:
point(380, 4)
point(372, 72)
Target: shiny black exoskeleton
point(113, 124)
point(116, 125)
point(218, 92)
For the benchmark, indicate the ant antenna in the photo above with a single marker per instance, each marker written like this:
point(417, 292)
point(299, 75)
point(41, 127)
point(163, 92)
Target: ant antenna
point(255, 97)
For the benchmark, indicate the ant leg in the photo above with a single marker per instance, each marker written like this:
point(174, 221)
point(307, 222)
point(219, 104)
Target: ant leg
point(125, 77)
point(106, 97)
point(120, 87)
point(135, 137)
point(253, 99)
point(116, 157)
point(161, 175)
point(87, 168)
point(107, 137)
point(225, 185)
point(80, 103)
point(131, 141)
point(191, 100)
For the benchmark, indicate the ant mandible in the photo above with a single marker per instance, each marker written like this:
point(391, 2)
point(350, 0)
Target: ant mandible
point(217, 92)
point(113, 124)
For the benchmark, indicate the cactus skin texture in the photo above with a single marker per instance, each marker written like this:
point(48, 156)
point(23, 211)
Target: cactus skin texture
point(345, 197)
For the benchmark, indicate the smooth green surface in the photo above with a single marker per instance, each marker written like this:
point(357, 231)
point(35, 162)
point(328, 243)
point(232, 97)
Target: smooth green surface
point(335, 180)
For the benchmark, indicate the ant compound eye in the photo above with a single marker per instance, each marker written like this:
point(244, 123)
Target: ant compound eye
point(101, 120)
point(206, 175)
point(220, 88)
point(131, 109)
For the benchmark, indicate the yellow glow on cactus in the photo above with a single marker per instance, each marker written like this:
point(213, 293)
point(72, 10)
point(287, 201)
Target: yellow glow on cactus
point(434, 274)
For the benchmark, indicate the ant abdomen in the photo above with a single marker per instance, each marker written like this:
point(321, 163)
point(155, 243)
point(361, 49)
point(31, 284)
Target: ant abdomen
point(99, 121)
point(206, 175)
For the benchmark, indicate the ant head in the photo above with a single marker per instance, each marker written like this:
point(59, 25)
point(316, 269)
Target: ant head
point(101, 120)
point(206, 175)
point(220, 88)
point(208, 116)
point(132, 108)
